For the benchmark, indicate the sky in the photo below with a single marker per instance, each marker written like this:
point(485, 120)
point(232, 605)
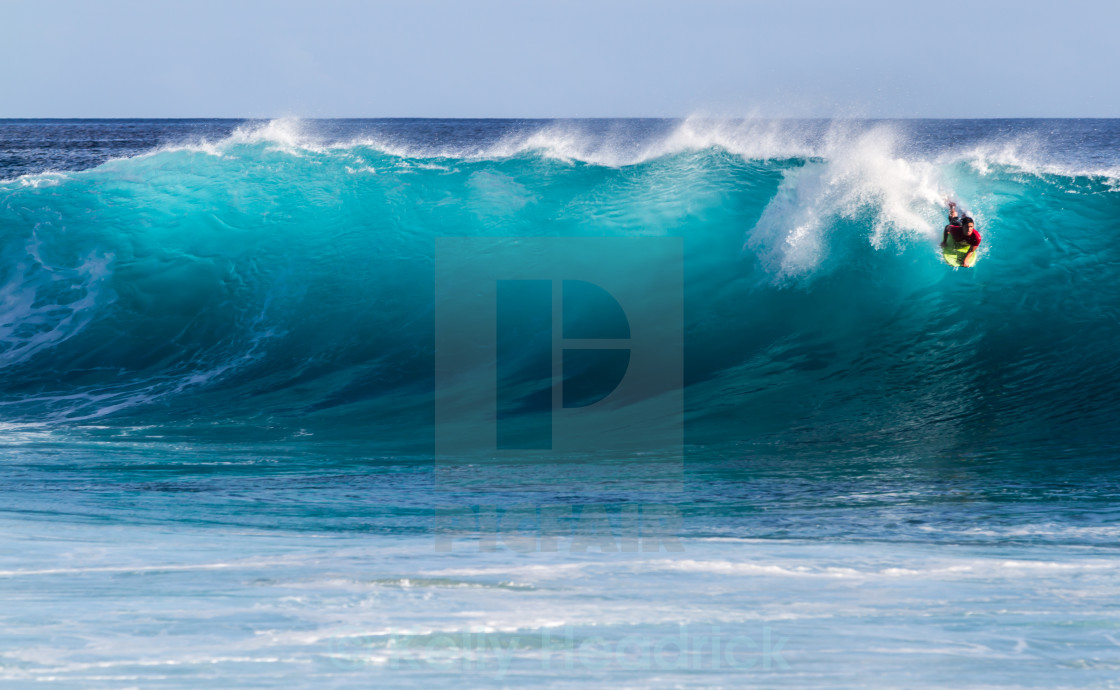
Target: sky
point(559, 58)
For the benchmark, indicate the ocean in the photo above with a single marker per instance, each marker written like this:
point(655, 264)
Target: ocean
point(558, 403)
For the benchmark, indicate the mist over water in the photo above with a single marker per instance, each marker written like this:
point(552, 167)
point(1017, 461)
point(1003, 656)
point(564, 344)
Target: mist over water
point(217, 352)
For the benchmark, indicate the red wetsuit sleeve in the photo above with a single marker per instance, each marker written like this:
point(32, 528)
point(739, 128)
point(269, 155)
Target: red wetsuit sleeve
point(974, 239)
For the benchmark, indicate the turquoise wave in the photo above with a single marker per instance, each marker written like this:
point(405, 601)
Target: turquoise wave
point(271, 288)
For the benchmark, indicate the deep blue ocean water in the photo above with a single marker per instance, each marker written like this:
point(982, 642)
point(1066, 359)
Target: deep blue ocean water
point(220, 376)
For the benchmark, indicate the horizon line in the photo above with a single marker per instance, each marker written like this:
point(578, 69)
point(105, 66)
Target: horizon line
point(553, 117)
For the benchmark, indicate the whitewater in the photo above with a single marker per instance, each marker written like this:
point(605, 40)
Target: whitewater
point(220, 373)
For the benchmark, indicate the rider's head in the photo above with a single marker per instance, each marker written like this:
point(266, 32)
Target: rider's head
point(968, 224)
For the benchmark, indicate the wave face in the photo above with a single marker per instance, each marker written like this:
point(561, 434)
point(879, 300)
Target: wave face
point(277, 279)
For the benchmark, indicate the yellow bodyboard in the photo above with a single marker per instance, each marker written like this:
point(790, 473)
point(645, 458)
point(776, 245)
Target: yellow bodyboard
point(953, 252)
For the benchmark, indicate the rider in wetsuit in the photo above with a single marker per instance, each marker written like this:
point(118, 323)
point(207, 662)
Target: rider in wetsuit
point(963, 231)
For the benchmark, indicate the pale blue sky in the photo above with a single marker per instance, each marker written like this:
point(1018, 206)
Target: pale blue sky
point(552, 58)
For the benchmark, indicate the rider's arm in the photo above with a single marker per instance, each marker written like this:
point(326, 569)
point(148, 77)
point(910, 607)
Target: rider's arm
point(973, 242)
